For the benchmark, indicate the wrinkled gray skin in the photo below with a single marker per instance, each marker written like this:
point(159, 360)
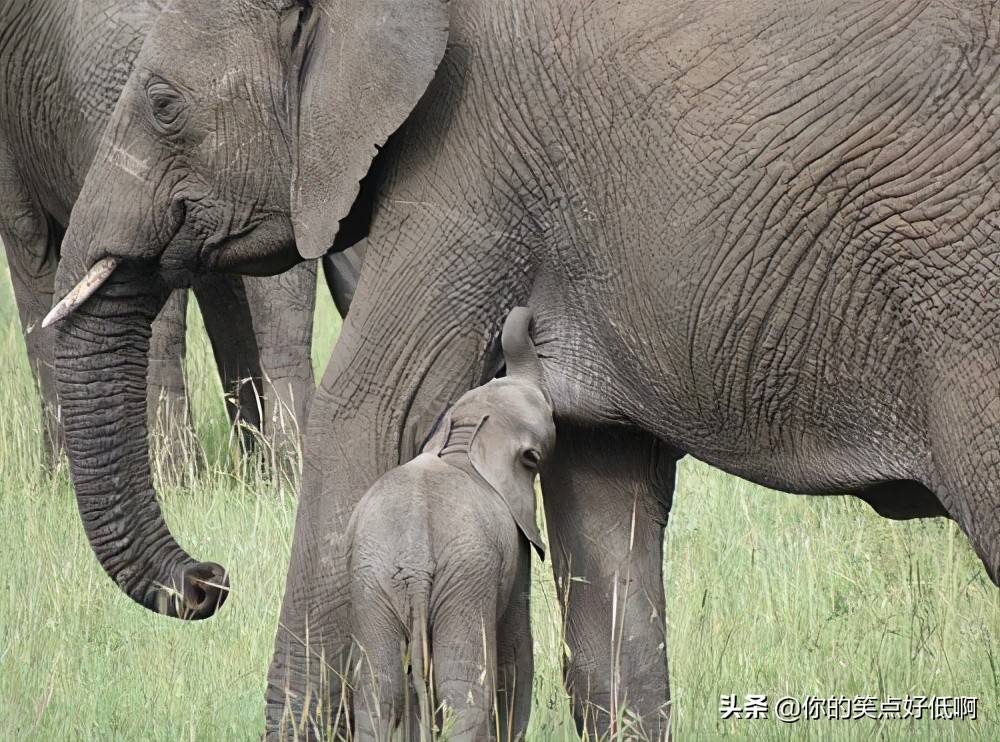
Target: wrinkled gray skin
point(63, 66)
point(761, 233)
point(440, 568)
point(203, 165)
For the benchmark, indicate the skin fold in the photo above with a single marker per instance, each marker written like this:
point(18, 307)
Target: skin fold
point(440, 568)
point(759, 233)
point(62, 68)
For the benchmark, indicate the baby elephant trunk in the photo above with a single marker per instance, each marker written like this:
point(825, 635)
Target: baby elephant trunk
point(518, 349)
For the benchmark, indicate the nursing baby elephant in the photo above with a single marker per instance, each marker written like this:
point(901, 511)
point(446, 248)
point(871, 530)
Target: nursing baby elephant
point(63, 68)
point(439, 562)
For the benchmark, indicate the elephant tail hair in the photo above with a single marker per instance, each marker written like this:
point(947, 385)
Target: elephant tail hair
point(419, 664)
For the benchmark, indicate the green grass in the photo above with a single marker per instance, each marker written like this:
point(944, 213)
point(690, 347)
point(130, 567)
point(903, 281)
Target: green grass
point(767, 593)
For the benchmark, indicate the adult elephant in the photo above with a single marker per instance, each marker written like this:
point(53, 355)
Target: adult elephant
point(760, 233)
point(217, 136)
point(63, 67)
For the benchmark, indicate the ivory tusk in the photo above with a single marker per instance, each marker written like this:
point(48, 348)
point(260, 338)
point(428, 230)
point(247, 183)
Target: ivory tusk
point(99, 273)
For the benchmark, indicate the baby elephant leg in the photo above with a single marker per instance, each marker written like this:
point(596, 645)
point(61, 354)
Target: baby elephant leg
point(463, 660)
point(379, 700)
point(379, 654)
point(515, 661)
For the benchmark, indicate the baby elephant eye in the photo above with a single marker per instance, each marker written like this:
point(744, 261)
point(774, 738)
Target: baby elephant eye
point(166, 104)
point(531, 458)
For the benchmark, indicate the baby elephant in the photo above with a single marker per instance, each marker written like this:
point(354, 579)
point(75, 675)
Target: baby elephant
point(440, 563)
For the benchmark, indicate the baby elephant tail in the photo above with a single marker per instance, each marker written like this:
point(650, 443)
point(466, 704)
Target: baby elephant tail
point(420, 665)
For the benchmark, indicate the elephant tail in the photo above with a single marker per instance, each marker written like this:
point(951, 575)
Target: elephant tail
point(420, 664)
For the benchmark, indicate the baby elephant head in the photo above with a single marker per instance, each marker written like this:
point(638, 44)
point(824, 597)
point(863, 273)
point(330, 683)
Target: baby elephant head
point(505, 427)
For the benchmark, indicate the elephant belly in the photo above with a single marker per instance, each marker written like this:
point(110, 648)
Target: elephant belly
point(776, 250)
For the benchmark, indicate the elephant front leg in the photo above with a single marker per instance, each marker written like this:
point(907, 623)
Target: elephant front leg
point(32, 245)
point(607, 493)
point(515, 659)
point(410, 346)
point(282, 307)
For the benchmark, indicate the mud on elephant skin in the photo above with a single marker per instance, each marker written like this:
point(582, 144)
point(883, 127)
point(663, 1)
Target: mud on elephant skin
point(184, 157)
point(775, 256)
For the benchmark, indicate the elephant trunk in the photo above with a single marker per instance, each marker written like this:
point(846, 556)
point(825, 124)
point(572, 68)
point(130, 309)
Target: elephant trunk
point(101, 364)
point(518, 350)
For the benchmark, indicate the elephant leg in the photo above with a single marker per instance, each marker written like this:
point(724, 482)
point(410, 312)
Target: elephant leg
point(282, 308)
point(32, 244)
point(463, 663)
point(515, 659)
point(379, 697)
point(343, 271)
point(410, 345)
point(167, 403)
point(964, 424)
point(229, 324)
point(607, 493)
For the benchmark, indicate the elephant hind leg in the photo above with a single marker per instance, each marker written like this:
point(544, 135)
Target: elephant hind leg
point(379, 649)
point(229, 324)
point(282, 309)
point(607, 493)
point(463, 667)
point(379, 698)
point(965, 466)
point(175, 450)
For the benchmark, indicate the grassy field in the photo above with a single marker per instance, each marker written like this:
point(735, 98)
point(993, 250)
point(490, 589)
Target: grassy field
point(767, 593)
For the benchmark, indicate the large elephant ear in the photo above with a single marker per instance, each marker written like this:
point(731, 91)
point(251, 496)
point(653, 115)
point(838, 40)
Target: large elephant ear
point(494, 454)
point(363, 66)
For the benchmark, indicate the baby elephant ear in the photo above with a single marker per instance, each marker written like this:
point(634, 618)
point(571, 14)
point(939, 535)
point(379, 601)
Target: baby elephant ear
point(361, 67)
point(438, 436)
point(494, 454)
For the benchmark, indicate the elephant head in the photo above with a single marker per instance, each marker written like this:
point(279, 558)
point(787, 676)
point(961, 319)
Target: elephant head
point(505, 427)
point(237, 144)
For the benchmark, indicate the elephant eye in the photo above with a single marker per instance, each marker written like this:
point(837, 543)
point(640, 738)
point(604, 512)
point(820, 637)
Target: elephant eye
point(531, 458)
point(166, 104)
